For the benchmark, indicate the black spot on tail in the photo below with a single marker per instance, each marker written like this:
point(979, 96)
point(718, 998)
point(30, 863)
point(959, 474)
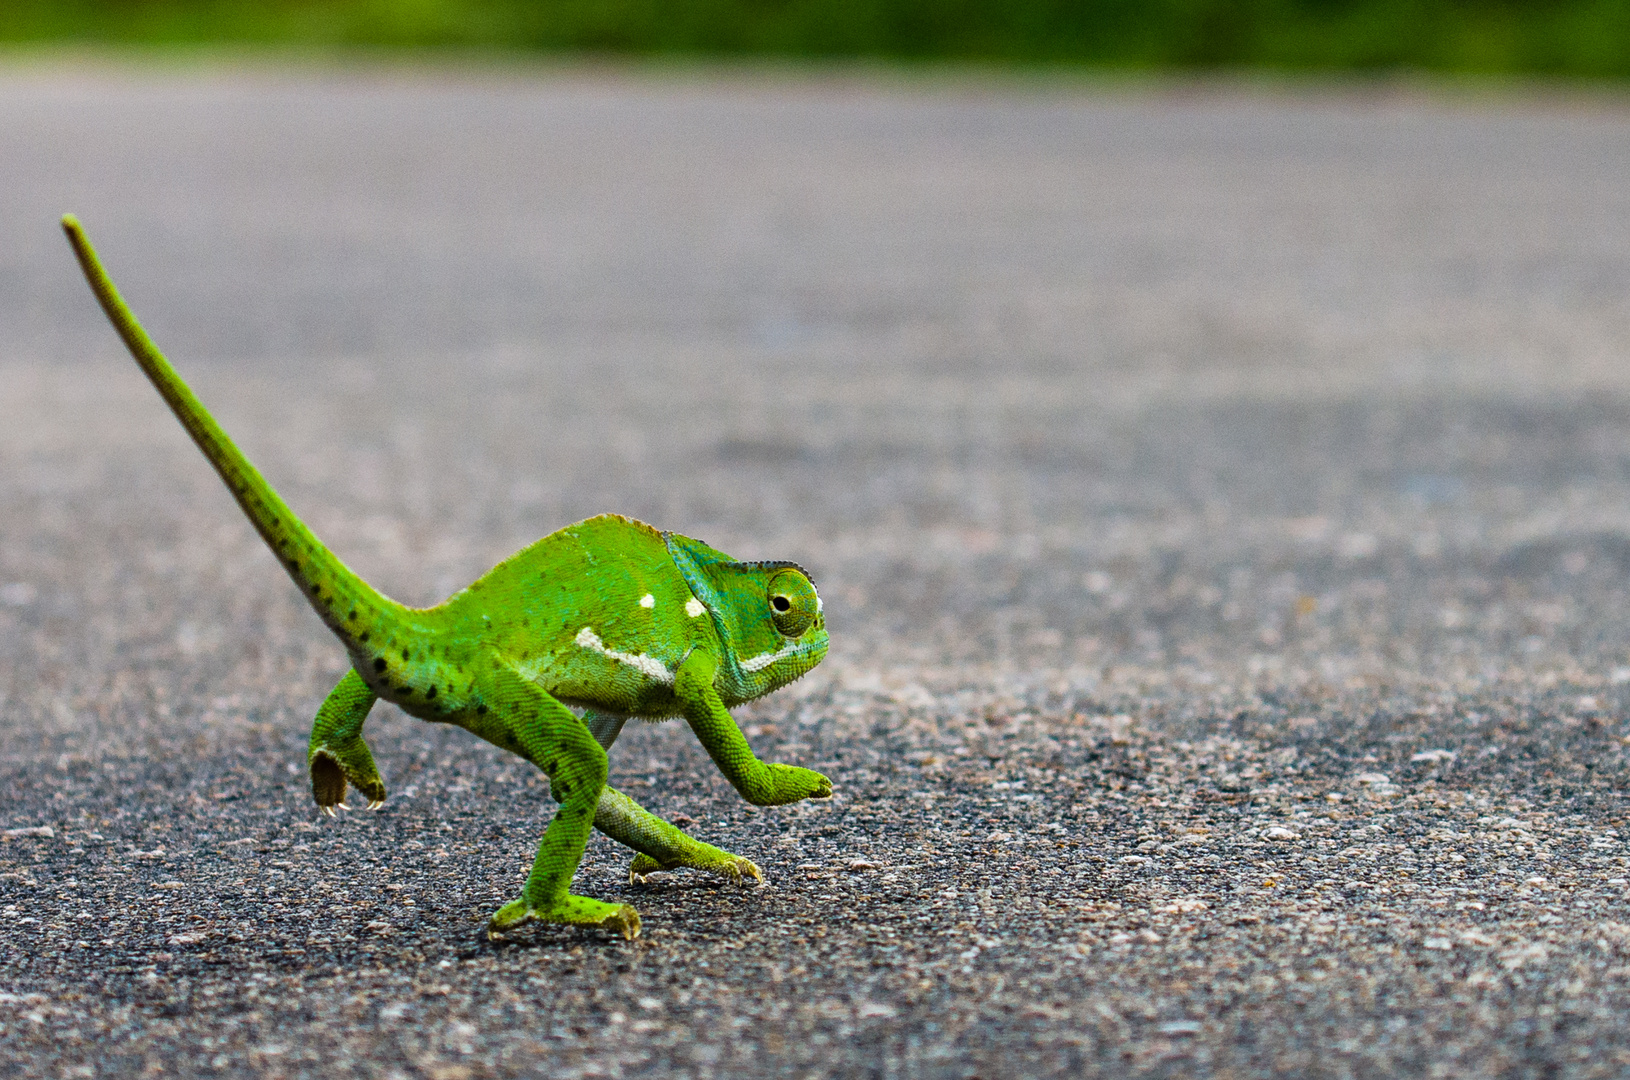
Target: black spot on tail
point(431, 693)
point(379, 663)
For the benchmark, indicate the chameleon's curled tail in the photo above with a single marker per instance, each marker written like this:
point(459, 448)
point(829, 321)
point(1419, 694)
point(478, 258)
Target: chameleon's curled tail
point(351, 607)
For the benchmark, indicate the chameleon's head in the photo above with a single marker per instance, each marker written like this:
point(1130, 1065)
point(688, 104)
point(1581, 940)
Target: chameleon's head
point(767, 613)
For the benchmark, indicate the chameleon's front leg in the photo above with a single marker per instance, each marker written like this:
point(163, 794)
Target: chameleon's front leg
point(760, 783)
point(558, 743)
point(337, 754)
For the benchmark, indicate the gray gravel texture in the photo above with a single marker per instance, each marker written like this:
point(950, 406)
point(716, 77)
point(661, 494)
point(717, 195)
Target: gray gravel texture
point(1221, 498)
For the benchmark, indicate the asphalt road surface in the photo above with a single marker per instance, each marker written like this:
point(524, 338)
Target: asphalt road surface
point(1221, 498)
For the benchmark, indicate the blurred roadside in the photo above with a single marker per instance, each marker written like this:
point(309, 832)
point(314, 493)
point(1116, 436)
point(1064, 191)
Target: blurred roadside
point(1571, 38)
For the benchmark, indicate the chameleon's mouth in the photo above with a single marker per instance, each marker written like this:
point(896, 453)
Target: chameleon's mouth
point(790, 650)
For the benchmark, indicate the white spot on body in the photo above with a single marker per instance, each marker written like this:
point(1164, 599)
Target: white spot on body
point(648, 601)
point(693, 607)
point(646, 665)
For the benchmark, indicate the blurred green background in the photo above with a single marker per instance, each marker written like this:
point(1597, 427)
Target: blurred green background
point(1556, 37)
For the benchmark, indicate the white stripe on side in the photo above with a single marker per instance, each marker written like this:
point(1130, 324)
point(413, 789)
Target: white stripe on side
point(647, 665)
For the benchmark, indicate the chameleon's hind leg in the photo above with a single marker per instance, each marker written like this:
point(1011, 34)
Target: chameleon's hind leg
point(338, 755)
point(657, 844)
point(554, 739)
point(661, 846)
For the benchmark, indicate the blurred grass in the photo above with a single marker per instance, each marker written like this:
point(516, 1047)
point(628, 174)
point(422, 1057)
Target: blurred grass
point(1550, 37)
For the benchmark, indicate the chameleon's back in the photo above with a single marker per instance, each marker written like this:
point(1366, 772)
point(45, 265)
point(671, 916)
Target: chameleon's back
point(595, 613)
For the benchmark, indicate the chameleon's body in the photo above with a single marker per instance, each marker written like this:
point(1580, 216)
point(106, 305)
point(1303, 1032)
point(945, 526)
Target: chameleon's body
point(609, 615)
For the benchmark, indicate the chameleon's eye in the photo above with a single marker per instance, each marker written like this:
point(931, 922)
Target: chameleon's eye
point(793, 603)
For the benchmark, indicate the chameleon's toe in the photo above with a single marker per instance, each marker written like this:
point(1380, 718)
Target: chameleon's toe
point(642, 865)
point(625, 921)
point(334, 767)
point(733, 868)
point(327, 782)
point(789, 784)
point(742, 869)
point(513, 914)
point(807, 783)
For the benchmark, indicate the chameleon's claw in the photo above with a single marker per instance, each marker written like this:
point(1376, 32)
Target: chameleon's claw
point(328, 811)
point(375, 804)
point(341, 806)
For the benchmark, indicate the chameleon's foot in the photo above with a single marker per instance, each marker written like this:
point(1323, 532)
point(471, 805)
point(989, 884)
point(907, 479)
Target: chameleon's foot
point(783, 784)
point(331, 772)
point(570, 910)
point(703, 857)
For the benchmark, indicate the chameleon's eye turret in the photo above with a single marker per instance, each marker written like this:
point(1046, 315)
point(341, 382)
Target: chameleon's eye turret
point(794, 607)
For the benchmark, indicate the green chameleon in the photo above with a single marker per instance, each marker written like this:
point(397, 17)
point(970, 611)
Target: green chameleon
point(609, 615)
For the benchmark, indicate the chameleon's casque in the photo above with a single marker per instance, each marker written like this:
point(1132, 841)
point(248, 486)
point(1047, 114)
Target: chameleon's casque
point(609, 615)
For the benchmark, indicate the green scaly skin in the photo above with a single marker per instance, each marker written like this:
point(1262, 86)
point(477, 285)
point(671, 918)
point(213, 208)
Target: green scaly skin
point(608, 615)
